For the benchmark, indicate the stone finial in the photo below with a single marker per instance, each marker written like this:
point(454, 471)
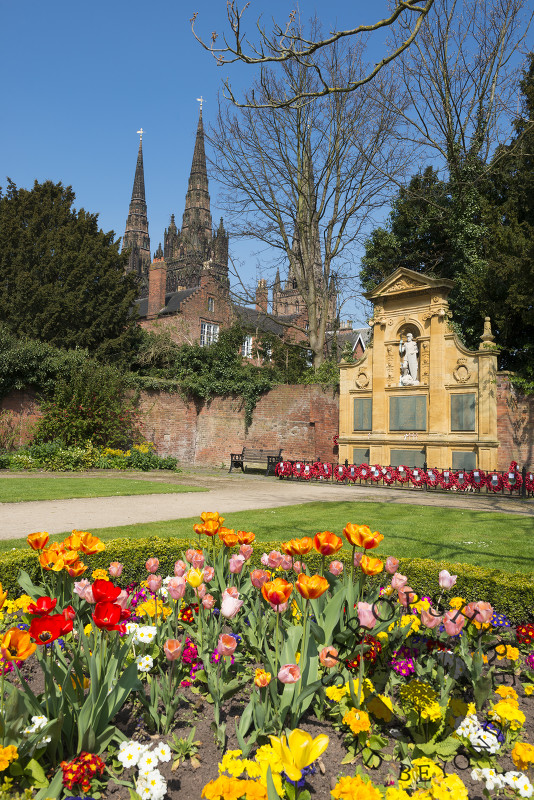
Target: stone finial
point(487, 337)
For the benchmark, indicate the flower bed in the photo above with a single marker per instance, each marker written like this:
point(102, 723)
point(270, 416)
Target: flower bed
point(306, 672)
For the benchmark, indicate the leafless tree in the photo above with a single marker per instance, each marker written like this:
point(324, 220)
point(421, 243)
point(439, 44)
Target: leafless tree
point(306, 179)
point(287, 43)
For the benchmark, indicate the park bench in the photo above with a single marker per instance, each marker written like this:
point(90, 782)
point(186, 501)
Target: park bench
point(258, 456)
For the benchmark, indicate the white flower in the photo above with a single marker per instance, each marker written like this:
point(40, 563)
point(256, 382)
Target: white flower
point(128, 756)
point(144, 663)
point(163, 752)
point(148, 761)
point(38, 724)
point(152, 785)
point(145, 634)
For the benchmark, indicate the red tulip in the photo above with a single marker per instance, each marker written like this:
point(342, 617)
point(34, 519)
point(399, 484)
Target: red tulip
point(42, 607)
point(45, 630)
point(107, 616)
point(105, 591)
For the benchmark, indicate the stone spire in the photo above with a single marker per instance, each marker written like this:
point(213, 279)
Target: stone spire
point(196, 222)
point(136, 238)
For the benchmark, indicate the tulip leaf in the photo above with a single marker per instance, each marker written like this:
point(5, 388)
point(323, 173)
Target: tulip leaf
point(26, 583)
point(272, 794)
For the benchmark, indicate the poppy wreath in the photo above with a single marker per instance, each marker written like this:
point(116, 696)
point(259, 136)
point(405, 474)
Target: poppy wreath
point(364, 472)
point(402, 473)
point(389, 475)
point(463, 480)
point(339, 472)
point(283, 469)
point(308, 472)
point(298, 468)
point(376, 473)
point(433, 477)
point(417, 476)
point(494, 482)
point(512, 479)
point(323, 469)
point(448, 479)
point(529, 482)
point(478, 478)
point(351, 472)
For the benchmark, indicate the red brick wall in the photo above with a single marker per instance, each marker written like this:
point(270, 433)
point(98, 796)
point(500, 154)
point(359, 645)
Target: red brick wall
point(515, 425)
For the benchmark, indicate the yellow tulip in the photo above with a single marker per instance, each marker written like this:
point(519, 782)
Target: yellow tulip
point(195, 577)
point(299, 750)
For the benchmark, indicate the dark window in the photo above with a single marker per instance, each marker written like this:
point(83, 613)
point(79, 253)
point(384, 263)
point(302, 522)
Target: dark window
point(463, 412)
point(408, 457)
point(407, 413)
point(211, 304)
point(461, 459)
point(360, 455)
point(363, 412)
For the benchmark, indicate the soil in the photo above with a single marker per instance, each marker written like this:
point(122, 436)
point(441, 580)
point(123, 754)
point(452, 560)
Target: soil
point(186, 782)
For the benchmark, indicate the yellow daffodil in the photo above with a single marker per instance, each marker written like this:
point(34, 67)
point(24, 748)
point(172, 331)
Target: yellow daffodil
point(299, 750)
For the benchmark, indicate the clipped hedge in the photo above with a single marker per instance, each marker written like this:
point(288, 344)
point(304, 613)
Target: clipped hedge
point(509, 593)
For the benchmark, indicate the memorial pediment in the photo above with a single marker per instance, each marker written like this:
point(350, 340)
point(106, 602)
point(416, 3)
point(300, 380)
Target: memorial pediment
point(407, 280)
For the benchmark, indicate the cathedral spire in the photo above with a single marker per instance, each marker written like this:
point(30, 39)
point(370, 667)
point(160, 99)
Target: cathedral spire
point(136, 238)
point(196, 223)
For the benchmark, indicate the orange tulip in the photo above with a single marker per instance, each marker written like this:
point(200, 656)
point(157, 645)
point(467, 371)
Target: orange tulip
point(297, 547)
point(229, 539)
point(38, 541)
point(371, 566)
point(17, 645)
point(311, 587)
point(361, 536)
point(51, 560)
point(277, 592)
point(70, 557)
point(76, 569)
point(262, 678)
point(56, 547)
point(327, 543)
point(244, 537)
point(3, 596)
point(211, 516)
point(199, 529)
point(73, 542)
point(211, 527)
point(91, 544)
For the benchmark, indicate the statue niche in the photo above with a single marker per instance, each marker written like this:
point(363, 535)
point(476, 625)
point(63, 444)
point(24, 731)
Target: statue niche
point(409, 353)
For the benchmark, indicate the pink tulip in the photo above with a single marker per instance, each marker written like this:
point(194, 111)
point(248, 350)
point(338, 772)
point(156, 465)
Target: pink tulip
point(328, 657)
point(259, 577)
point(246, 551)
point(88, 594)
point(115, 569)
point(479, 611)
point(226, 644)
point(446, 580)
point(453, 622)
point(407, 596)
point(298, 567)
point(230, 605)
point(123, 599)
point(274, 559)
point(286, 562)
point(172, 649)
point(366, 616)
point(154, 583)
point(430, 620)
point(391, 565)
point(336, 568)
point(80, 587)
point(180, 568)
point(265, 560)
point(152, 565)
point(398, 581)
point(201, 590)
point(357, 559)
point(197, 562)
point(189, 554)
point(232, 591)
point(209, 574)
point(279, 609)
point(289, 673)
point(236, 564)
point(208, 601)
point(176, 588)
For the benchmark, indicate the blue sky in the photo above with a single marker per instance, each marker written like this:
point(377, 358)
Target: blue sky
point(79, 79)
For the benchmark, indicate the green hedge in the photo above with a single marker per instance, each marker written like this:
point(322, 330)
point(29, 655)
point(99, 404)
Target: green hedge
point(509, 593)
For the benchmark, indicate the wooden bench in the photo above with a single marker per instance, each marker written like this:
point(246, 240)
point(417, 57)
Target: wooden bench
point(256, 455)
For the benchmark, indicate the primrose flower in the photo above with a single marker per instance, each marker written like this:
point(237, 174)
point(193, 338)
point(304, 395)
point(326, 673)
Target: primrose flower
point(298, 751)
point(144, 663)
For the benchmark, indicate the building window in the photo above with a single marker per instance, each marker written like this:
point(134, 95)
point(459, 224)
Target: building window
point(360, 455)
point(407, 413)
point(408, 457)
point(211, 304)
point(463, 460)
point(363, 408)
point(297, 307)
point(246, 348)
point(208, 334)
point(463, 412)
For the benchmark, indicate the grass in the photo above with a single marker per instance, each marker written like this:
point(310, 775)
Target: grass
point(502, 541)
point(63, 487)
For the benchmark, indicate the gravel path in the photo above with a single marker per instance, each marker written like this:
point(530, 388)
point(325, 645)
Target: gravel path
point(226, 493)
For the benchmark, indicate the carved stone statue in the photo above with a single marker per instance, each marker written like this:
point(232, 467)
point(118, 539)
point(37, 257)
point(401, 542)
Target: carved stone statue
point(409, 365)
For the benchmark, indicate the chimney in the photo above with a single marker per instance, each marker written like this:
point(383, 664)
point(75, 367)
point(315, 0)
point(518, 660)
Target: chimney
point(262, 296)
point(157, 281)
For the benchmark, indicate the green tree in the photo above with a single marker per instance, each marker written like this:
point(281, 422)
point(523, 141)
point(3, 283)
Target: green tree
point(62, 279)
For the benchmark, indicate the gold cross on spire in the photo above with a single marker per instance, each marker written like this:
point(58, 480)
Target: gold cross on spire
point(201, 101)
point(140, 132)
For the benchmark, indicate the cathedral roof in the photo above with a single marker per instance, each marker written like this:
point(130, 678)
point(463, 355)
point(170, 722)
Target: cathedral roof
point(173, 301)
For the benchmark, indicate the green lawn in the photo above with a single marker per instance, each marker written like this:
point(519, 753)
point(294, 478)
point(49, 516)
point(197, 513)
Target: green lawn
point(62, 487)
point(503, 541)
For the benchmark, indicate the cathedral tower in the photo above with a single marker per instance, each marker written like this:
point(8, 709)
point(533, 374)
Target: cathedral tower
point(136, 238)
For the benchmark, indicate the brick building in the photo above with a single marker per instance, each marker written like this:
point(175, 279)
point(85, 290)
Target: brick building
point(185, 289)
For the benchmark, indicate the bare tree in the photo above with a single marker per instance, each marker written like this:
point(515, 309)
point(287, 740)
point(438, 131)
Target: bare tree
point(305, 180)
point(287, 43)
